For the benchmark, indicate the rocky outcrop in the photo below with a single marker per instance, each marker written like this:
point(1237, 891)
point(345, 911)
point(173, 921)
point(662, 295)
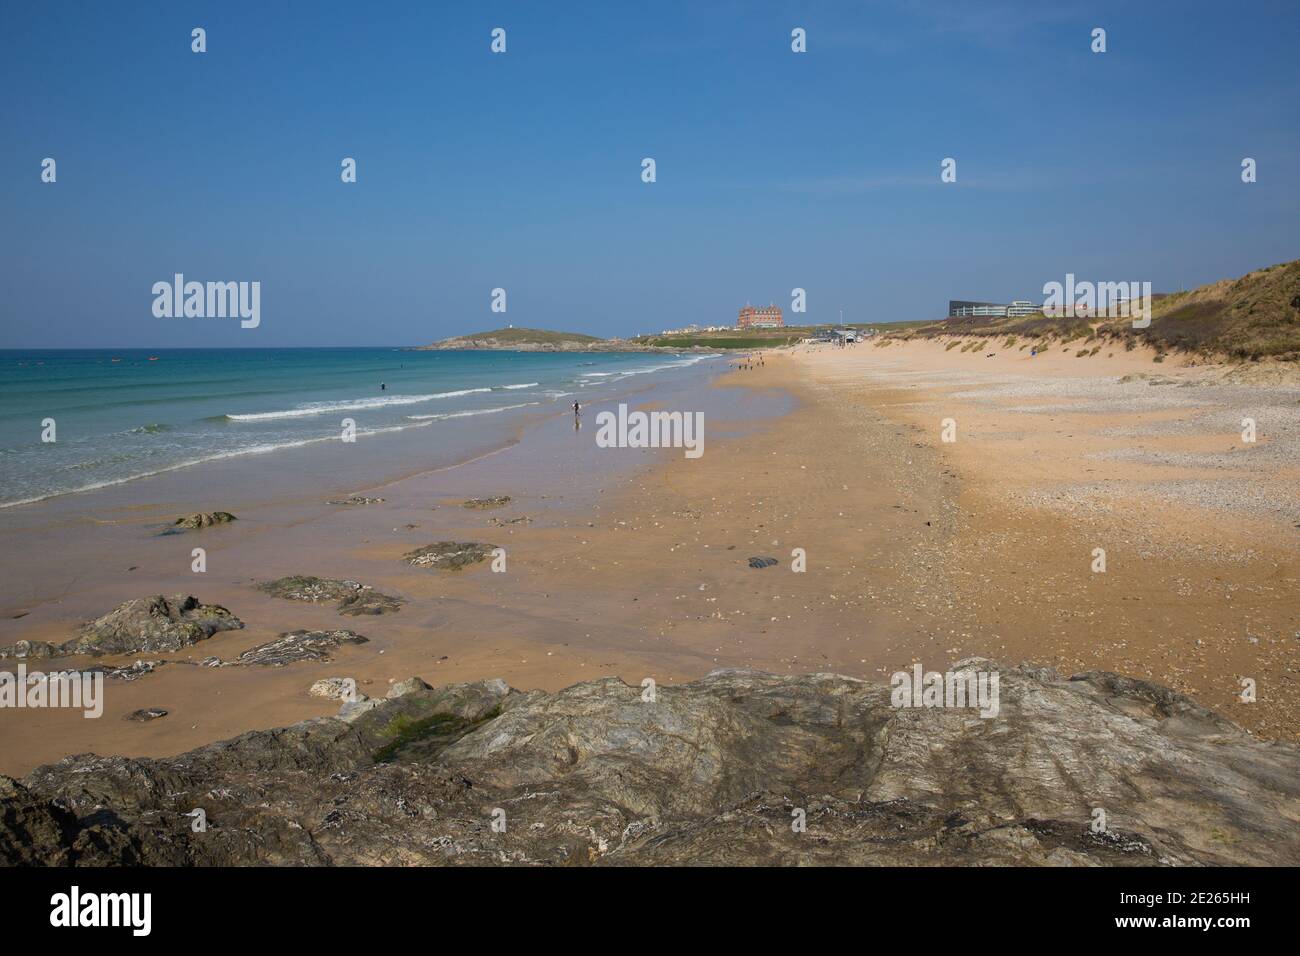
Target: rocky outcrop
point(150, 624)
point(203, 519)
point(353, 599)
point(356, 500)
point(717, 771)
point(153, 624)
point(449, 555)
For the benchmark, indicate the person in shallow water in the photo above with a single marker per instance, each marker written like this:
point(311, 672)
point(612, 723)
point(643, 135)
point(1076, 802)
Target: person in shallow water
point(383, 387)
point(577, 412)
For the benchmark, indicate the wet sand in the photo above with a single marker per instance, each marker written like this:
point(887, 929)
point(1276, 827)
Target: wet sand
point(635, 562)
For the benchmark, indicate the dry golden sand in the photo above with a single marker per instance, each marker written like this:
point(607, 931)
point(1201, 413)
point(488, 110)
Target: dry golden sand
point(916, 550)
point(1195, 595)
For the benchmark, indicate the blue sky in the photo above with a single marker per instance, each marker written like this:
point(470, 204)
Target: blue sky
point(522, 170)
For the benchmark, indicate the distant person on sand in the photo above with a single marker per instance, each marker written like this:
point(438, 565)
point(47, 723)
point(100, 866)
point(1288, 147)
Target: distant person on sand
point(577, 411)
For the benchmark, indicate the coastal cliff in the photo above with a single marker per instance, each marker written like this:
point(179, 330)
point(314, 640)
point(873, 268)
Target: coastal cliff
point(717, 771)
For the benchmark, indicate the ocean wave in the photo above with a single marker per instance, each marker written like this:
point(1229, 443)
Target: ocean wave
point(352, 405)
point(468, 412)
point(524, 385)
point(681, 363)
point(216, 456)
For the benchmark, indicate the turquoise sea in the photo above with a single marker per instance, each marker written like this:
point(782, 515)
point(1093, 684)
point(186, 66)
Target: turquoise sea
point(121, 415)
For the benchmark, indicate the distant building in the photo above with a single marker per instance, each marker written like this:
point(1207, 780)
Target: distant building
point(961, 309)
point(752, 318)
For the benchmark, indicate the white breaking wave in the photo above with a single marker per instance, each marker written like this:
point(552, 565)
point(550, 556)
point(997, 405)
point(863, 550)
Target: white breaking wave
point(683, 363)
point(524, 385)
point(468, 412)
point(216, 456)
point(354, 405)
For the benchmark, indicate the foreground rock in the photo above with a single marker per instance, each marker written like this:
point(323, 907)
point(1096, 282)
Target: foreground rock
point(711, 772)
point(203, 519)
point(352, 598)
point(292, 647)
point(450, 555)
point(149, 624)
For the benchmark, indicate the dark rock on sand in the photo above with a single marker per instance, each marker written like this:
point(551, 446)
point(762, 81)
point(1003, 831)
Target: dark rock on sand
point(368, 601)
point(203, 519)
point(353, 598)
point(503, 522)
point(356, 500)
point(157, 623)
point(762, 562)
point(711, 772)
point(128, 672)
point(478, 504)
point(294, 646)
point(146, 714)
point(450, 555)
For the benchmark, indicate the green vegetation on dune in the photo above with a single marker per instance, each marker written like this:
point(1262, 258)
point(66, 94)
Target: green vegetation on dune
point(1253, 317)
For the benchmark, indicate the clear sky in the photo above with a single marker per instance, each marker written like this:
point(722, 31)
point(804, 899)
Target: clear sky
point(522, 170)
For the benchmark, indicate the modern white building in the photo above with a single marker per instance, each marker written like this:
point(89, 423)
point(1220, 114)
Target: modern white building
point(959, 309)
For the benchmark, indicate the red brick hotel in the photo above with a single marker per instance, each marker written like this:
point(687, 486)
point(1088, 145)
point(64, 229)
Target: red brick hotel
point(752, 318)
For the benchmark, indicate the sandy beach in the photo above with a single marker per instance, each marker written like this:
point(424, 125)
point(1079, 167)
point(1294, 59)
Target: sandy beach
point(636, 563)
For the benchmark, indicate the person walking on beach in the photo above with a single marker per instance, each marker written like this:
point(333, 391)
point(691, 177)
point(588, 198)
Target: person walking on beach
point(577, 411)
